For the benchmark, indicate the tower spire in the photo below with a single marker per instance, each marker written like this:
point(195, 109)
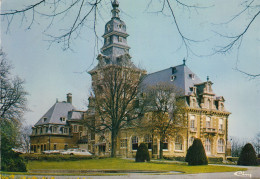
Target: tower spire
point(115, 11)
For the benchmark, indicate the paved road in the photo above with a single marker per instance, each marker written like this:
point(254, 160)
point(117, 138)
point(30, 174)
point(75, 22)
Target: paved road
point(252, 172)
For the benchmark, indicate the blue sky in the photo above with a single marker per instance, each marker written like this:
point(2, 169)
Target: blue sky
point(51, 73)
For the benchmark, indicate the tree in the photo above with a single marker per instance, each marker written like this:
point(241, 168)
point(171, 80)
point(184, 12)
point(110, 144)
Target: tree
point(12, 107)
point(12, 93)
point(142, 153)
point(87, 14)
point(25, 133)
point(196, 154)
point(115, 101)
point(236, 146)
point(165, 109)
point(256, 143)
point(247, 156)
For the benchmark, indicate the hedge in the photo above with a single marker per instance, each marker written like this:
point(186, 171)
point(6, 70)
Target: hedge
point(232, 159)
point(55, 157)
point(182, 159)
point(215, 159)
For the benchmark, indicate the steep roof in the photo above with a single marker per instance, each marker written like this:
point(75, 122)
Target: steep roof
point(53, 115)
point(181, 76)
point(75, 115)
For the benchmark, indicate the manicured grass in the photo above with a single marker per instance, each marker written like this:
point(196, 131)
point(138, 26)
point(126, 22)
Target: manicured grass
point(122, 164)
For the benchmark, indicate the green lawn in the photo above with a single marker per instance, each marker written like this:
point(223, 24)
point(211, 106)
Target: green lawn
point(122, 164)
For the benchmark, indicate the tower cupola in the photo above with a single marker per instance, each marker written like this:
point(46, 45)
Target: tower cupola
point(115, 36)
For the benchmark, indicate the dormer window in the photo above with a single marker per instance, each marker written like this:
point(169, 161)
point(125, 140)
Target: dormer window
point(44, 119)
point(192, 76)
point(173, 77)
point(62, 119)
point(174, 70)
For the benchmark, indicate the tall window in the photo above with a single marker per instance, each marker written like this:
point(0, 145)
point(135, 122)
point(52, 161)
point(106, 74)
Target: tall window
point(178, 143)
point(221, 124)
point(123, 143)
point(192, 122)
point(54, 146)
point(165, 144)
point(134, 143)
point(75, 128)
point(208, 146)
point(148, 140)
point(221, 145)
point(65, 130)
point(191, 139)
point(208, 122)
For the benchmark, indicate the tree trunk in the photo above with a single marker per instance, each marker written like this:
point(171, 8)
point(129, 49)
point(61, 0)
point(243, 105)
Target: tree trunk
point(114, 143)
point(161, 149)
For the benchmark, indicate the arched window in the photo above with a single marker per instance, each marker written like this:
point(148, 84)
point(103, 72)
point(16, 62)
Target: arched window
point(178, 143)
point(191, 139)
point(221, 145)
point(208, 146)
point(134, 143)
point(148, 140)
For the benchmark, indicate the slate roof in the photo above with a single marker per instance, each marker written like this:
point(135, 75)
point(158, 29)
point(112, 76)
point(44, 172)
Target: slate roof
point(75, 115)
point(53, 115)
point(182, 78)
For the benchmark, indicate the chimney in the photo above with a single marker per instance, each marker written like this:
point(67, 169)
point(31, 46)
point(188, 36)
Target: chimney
point(69, 98)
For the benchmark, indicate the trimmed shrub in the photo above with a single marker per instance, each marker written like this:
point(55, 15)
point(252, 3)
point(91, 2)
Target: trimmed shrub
point(247, 156)
point(142, 153)
point(196, 154)
point(188, 155)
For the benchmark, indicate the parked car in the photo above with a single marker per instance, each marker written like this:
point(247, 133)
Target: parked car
point(76, 152)
point(51, 152)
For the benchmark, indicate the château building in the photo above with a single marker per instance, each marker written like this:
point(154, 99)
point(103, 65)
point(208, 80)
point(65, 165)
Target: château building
point(63, 127)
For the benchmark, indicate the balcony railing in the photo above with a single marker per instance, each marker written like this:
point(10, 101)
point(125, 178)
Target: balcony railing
point(210, 130)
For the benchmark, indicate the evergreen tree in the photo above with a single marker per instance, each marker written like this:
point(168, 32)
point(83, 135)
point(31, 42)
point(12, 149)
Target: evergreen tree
point(247, 156)
point(142, 153)
point(196, 154)
point(188, 155)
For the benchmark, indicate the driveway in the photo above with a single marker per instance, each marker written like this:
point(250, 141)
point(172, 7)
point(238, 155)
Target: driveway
point(252, 172)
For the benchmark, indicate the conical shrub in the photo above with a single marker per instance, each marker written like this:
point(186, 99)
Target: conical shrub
point(247, 156)
point(196, 154)
point(142, 153)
